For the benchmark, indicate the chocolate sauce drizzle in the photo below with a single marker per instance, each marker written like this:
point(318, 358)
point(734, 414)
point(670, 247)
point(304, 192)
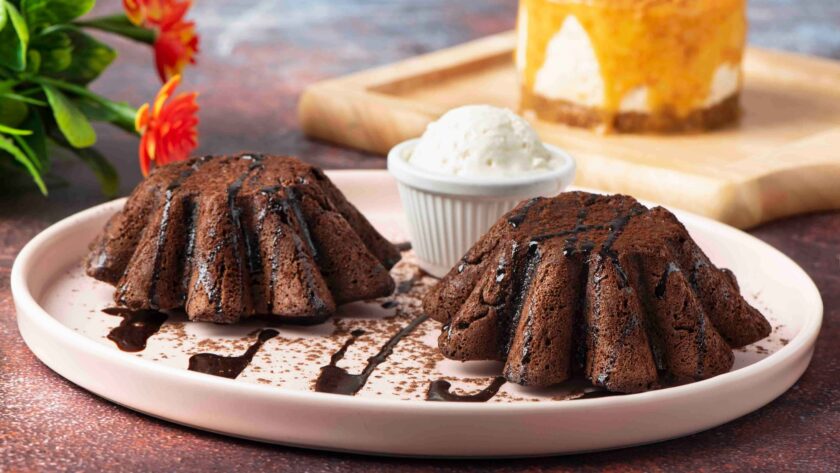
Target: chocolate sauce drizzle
point(192, 220)
point(616, 228)
point(289, 210)
point(163, 229)
point(518, 218)
point(136, 327)
point(335, 380)
point(523, 273)
point(700, 335)
point(212, 287)
point(389, 304)
point(580, 326)
point(405, 286)
point(571, 245)
point(502, 265)
point(161, 240)
point(326, 380)
point(532, 262)
point(439, 391)
point(293, 202)
point(659, 291)
point(236, 221)
point(229, 366)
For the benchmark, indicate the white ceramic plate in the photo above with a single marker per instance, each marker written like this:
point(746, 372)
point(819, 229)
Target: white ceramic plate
point(272, 400)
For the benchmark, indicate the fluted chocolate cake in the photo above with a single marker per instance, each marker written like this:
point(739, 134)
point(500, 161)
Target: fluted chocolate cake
point(598, 286)
point(228, 237)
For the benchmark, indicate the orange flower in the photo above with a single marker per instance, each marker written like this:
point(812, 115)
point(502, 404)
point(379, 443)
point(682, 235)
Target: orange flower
point(175, 47)
point(176, 43)
point(156, 13)
point(168, 129)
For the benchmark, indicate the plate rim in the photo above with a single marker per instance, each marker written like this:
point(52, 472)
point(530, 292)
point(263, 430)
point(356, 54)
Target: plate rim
point(28, 307)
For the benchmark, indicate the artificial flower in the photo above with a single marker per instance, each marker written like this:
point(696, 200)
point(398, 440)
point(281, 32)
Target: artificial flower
point(156, 13)
point(176, 42)
point(167, 127)
point(175, 47)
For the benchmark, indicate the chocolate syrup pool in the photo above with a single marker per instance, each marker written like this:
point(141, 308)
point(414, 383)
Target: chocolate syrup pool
point(229, 366)
point(335, 380)
point(439, 390)
point(136, 327)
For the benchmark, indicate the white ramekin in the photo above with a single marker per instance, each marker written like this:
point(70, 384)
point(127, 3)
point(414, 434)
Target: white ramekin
point(448, 214)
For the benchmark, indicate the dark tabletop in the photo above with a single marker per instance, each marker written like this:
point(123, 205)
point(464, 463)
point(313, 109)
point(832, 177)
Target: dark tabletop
point(256, 58)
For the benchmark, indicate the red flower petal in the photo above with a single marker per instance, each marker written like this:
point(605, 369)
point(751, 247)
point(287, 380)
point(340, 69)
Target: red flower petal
point(168, 127)
point(175, 47)
point(156, 13)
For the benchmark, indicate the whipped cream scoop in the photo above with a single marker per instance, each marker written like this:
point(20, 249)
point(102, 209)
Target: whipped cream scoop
point(481, 140)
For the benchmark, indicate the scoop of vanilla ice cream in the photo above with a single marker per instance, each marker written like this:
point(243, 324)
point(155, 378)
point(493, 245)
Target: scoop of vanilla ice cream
point(480, 140)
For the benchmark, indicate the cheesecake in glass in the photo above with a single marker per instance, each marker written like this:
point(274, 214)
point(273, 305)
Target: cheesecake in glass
point(632, 65)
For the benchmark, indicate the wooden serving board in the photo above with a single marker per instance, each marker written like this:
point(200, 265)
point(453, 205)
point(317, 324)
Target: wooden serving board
point(783, 157)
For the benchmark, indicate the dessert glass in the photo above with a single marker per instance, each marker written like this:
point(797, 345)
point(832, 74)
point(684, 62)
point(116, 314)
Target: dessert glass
point(447, 214)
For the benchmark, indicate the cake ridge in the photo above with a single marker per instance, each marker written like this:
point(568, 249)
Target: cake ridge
point(229, 237)
point(611, 299)
point(169, 194)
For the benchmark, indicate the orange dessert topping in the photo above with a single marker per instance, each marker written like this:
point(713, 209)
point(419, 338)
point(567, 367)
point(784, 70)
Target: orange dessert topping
point(671, 47)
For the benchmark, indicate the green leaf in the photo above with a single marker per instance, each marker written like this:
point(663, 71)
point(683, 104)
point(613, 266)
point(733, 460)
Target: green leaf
point(123, 112)
point(8, 146)
point(9, 84)
point(18, 23)
point(89, 57)
point(27, 151)
point(109, 180)
point(120, 25)
point(104, 171)
point(14, 131)
point(12, 112)
point(33, 62)
point(21, 98)
point(120, 114)
point(71, 121)
point(14, 38)
point(43, 13)
point(55, 49)
point(37, 141)
point(94, 110)
point(3, 15)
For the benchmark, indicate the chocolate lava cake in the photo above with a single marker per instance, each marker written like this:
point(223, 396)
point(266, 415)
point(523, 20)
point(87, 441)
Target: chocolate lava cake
point(598, 286)
point(228, 237)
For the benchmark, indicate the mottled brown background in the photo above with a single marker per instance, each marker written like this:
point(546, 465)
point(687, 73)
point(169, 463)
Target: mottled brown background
point(256, 58)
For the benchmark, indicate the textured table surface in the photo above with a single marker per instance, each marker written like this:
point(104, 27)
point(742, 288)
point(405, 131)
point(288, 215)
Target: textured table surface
point(256, 58)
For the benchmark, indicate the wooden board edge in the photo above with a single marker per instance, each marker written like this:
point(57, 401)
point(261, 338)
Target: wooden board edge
point(451, 58)
point(502, 45)
point(344, 110)
point(816, 71)
point(360, 119)
point(804, 178)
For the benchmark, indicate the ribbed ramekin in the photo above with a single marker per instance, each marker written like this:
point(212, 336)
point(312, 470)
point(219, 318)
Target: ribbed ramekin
point(448, 214)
